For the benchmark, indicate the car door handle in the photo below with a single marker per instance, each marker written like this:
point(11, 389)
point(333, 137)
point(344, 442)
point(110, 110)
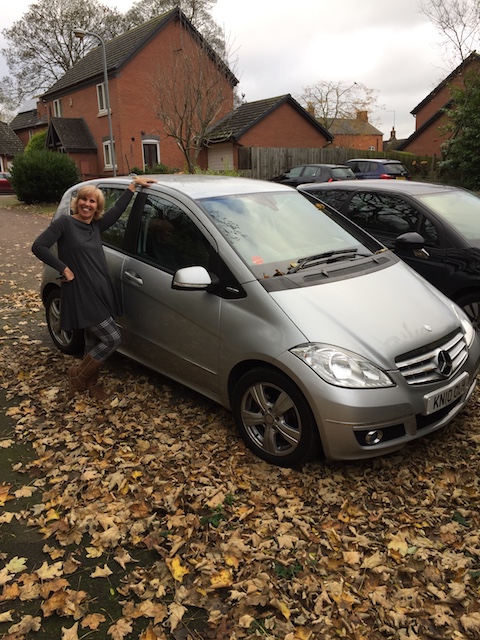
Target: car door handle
point(133, 277)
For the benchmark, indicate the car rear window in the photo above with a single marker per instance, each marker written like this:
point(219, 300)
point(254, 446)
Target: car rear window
point(395, 168)
point(342, 172)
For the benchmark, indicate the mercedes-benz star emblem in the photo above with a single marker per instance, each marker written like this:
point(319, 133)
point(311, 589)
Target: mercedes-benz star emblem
point(444, 363)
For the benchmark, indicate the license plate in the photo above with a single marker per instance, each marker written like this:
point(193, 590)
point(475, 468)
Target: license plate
point(401, 178)
point(450, 393)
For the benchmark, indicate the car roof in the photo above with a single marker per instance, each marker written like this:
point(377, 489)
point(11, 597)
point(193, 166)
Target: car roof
point(321, 164)
point(198, 186)
point(401, 186)
point(388, 160)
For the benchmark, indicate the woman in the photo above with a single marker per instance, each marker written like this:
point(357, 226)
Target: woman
point(88, 299)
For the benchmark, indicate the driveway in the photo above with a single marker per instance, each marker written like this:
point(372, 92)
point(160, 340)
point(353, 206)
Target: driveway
point(146, 517)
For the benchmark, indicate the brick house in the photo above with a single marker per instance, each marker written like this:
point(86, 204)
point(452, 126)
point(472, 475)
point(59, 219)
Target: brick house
point(429, 113)
point(76, 104)
point(356, 133)
point(10, 146)
point(31, 119)
point(273, 122)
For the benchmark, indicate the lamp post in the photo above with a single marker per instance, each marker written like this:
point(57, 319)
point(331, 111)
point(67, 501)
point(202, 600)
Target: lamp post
point(81, 33)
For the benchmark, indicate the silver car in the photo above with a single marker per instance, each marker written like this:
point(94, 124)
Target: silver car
point(318, 338)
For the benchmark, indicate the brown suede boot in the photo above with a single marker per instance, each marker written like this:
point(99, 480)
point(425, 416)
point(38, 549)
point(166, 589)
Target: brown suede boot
point(95, 390)
point(85, 376)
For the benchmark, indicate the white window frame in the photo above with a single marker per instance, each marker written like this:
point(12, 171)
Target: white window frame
point(107, 155)
point(150, 142)
point(57, 108)
point(101, 99)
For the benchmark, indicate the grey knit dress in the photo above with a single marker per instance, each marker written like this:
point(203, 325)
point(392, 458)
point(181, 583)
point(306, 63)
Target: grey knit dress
point(89, 298)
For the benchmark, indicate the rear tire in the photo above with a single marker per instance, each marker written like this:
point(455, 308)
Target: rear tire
point(274, 418)
point(70, 342)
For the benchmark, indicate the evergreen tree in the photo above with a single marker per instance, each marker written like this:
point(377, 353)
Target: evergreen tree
point(461, 163)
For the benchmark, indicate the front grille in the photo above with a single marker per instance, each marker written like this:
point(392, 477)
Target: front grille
point(421, 366)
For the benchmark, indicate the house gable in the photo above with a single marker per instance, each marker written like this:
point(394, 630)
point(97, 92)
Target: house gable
point(134, 60)
point(356, 133)
point(10, 145)
point(430, 117)
point(272, 122)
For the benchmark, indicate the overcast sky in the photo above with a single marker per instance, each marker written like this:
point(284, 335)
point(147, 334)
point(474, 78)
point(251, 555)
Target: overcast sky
point(281, 47)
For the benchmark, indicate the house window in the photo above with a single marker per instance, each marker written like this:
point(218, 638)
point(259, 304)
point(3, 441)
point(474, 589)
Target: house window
point(57, 108)
point(101, 99)
point(151, 153)
point(107, 154)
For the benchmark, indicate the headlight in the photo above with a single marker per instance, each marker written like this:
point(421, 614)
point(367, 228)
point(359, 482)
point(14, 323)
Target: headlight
point(466, 324)
point(342, 368)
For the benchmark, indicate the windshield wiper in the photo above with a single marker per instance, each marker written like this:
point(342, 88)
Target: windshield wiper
point(323, 258)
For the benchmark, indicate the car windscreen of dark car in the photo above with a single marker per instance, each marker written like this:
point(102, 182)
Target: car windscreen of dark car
point(273, 231)
point(460, 208)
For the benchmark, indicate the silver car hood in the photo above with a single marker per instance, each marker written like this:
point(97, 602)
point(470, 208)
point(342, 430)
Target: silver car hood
point(378, 315)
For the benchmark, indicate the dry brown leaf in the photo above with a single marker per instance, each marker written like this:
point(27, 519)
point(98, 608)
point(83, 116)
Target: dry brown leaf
point(27, 623)
point(71, 633)
point(120, 629)
point(6, 616)
point(176, 613)
point(47, 572)
point(93, 621)
point(101, 572)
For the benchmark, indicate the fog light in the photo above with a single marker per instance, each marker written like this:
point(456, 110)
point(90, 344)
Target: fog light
point(374, 437)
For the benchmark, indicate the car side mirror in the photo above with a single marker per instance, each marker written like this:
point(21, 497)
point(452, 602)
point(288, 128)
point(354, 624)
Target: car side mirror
point(410, 241)
point(191, 279)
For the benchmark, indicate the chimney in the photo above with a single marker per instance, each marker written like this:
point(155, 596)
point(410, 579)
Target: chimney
point(362, 115)
point(393, 135)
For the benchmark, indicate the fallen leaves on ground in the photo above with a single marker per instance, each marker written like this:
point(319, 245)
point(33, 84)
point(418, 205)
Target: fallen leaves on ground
point(370, 550)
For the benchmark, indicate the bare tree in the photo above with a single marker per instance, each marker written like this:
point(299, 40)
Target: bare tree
point(191, 97)
point(41, 46)
point(331, 100)
point(458, 21)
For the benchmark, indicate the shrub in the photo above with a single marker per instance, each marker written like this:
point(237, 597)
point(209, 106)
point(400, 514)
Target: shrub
point(42, 176)
point(36, 142)
point(157, 168)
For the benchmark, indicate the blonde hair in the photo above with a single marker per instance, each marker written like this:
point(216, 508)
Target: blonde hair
point(85, 192)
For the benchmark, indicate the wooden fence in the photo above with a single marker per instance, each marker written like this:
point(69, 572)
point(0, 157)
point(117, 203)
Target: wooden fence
point(265, 163)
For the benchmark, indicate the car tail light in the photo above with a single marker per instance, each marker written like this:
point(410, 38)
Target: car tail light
point(386, 176)
point(330, 180)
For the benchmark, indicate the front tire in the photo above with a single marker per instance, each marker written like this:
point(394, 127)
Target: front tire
point(274, 418)
point(470, 303)
point(70, 342)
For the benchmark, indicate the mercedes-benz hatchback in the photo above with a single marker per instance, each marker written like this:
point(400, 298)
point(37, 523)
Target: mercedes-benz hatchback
point(317, 337)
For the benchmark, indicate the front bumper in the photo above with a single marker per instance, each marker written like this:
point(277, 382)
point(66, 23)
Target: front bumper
point(364, 423)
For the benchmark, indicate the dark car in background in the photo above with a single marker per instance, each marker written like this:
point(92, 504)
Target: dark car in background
point(434, 228)
point(5, 185)
point(380, 169)
point(307, 173)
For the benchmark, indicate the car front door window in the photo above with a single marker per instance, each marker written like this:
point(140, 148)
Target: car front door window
point(388, 216)
point(169, 238)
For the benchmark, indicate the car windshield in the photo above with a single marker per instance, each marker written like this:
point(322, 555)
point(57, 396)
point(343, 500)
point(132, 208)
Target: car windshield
point(274, 231)
point(460, 208)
